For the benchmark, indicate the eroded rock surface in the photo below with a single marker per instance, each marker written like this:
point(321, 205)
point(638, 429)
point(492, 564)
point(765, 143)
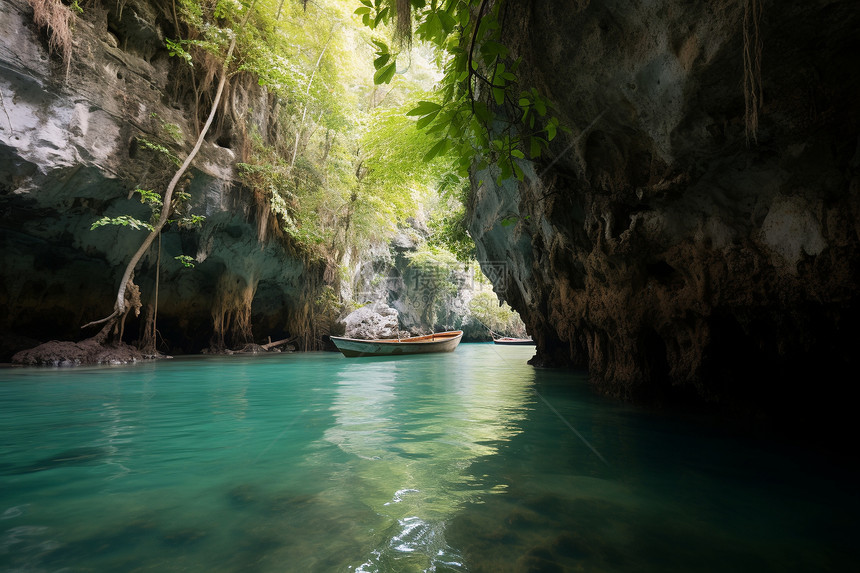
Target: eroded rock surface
point(66, 353)
point(655, 245)
point(72, 150)
point(376, 320)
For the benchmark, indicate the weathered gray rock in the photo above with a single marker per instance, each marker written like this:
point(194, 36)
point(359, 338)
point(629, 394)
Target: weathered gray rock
point(423, 304)
point(71, 153)
point(376, 320)
point(65, 353)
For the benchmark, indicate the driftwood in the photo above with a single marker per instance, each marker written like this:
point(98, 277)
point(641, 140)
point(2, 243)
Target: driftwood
point(271, 344)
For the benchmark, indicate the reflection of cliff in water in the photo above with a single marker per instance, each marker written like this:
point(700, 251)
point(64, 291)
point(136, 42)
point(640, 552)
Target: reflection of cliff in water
point(415, 426)
point(674, 495)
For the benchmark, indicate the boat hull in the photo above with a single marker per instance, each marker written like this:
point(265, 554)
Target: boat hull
point(441, 342)
point(514, 341)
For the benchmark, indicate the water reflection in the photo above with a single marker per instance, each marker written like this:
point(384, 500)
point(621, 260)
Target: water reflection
point(319, 463)
point(414, 426)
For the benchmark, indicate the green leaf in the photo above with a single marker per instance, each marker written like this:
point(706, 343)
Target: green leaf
point(518, 172)
point(424, 121)
point(124, 220)
point(440, 147)
point(383, 15)
point(447, 22)
point(482, 111)
point(518, 154)
point(381, 61)
point(437, 125)
point(424, 107)
point(186, 261)
point(385, 74)
point(491, 48)
point(534, 147)
point(433, 25)
point(499, 95)
point(487, 25)
point(507, 169)
point(550, 131)
point(362, 10)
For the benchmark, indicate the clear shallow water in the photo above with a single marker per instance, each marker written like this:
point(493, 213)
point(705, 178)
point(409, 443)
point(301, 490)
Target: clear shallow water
point(471, 461)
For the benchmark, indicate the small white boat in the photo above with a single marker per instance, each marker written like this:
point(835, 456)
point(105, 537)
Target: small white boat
point(437, 342)
point(514, 341)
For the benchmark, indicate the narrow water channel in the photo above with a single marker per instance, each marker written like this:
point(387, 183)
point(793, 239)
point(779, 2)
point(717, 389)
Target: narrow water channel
point(469, 461)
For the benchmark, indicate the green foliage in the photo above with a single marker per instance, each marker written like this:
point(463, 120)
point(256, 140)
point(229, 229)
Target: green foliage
point(433, 258)
point(448, 231)
point(175, 49)
point(271, 176)
point(150, 198)
point(191, 221)
point(159, 149)
point(500, 319)
point(479, 113)
point(186, 261)
point(328, 302)
point(374, 13)
point(392, 171)
point(384, 62)
point(174, 131)
point(122, 220)
point(436, 268)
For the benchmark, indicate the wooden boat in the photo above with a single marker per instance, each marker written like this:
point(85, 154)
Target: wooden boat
point(437, 342)
point(514, 341)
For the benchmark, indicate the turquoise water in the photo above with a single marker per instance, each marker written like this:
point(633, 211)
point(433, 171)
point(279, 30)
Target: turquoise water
point(470, 461)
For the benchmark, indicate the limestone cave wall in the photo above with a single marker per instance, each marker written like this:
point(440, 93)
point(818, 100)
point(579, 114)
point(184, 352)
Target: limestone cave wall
point(72, 151)
point(663, 245)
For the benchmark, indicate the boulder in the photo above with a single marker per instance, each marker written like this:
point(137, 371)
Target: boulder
point(377, 320)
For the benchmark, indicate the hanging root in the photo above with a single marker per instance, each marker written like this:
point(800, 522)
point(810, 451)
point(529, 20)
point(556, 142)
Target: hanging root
point(57, 19)
point(403, 24)
point(752, 67)
point(231, 313)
